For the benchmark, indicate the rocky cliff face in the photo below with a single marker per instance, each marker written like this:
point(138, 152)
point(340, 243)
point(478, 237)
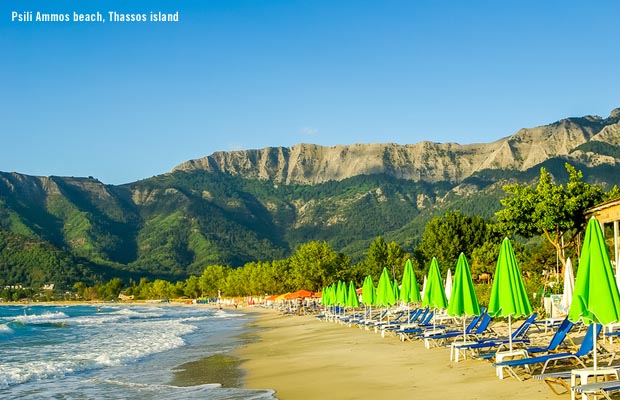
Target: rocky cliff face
point(424, 161)
point(210, 213)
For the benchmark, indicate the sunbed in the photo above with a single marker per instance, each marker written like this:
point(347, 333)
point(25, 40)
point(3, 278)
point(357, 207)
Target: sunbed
point(553, 358)
point(554, 343)
point(517, 337)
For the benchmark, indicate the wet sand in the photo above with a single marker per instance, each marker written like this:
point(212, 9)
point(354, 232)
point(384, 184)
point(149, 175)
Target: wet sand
point(303, 358)
point(216, 369)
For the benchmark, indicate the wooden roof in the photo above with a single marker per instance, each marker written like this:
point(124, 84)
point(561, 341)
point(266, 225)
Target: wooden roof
point(605, 212)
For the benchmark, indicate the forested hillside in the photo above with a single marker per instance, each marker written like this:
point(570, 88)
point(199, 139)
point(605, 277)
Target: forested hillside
point(245, 206)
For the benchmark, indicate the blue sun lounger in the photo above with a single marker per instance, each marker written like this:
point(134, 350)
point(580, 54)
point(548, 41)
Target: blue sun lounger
point(476, 327)
point(598, 389)
point(554, 343)
point(553, 358)
point(518, 336)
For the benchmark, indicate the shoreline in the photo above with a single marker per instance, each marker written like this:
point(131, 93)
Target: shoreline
point(301, 357)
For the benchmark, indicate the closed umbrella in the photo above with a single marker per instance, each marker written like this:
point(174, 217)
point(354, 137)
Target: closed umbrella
point(352, 300)
point(434, 294)
point(324, 299)
point(328, 297)
point(396, 291)
point(369, 294)
point(409, 291)
point(463, 300)
point(569, 285)
point(341, 295)
point(508, 296)
point(596, 298)
point(448, 284)
point(385, 291)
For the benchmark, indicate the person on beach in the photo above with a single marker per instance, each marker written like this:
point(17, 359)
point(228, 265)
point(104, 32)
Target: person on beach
point(300, 305)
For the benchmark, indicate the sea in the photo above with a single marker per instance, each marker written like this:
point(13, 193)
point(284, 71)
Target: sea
point(114, 351)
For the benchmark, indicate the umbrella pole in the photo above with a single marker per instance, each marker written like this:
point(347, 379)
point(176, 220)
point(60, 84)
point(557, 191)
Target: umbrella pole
point(510, 332)
point(464, 331)
point(594, 345)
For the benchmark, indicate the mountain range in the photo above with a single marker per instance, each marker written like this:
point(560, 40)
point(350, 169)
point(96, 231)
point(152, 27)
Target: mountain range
point(259, 205)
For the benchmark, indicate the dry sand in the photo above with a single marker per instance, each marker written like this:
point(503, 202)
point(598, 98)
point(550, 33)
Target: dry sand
point(304, 358)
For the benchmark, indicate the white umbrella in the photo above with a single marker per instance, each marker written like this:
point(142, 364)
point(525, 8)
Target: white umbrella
point(569, 285)
point(448, 285)
point(423, 288)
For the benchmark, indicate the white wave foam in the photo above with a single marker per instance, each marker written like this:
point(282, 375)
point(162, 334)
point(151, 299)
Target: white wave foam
point(45, 318)
point(100, 340)
point(151, 312)
point(224, 314)
point(155, 387)
point(4, 328)
point(132, 341)
point(99, 319)
point(27, 371)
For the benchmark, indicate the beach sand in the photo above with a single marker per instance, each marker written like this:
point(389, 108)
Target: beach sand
point(303, 358)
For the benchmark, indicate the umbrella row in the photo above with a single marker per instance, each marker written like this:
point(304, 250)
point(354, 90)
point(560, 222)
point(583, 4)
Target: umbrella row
point(508, 295)
point(596, 298)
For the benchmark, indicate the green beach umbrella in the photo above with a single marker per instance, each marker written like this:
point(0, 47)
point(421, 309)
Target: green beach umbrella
point(409, 291)
point(596, 298)
point(369, 294)
point(396, 290)
point(463, 300)
point(434, 294)
point(508, 296)
point(341, 293)
point(385, 292)
point(331, 292)
point(326, 296)
point(352, 300)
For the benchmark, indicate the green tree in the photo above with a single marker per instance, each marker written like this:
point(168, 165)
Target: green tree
point(396, 259)
point(553, 210)
point(192, 287)
point(377, 258)
point(79, 288)
point(161, 289)
point(212, 279)
point(111, 289)
point(448, 236)
point(314, 265)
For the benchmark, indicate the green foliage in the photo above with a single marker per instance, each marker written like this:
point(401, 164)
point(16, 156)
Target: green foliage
point(212, 280)
point(170, 227)
point(314, 265)
point(555, 210)
point(448, 236)
point(34, 263)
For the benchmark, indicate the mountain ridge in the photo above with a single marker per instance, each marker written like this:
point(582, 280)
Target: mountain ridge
point(258, 205)
point(422, 161)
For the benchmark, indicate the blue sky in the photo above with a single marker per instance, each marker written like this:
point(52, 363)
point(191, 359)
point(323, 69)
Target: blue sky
point(123, 102)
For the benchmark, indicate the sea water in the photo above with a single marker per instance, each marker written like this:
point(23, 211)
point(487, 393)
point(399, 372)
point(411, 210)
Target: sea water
point(115, 352)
